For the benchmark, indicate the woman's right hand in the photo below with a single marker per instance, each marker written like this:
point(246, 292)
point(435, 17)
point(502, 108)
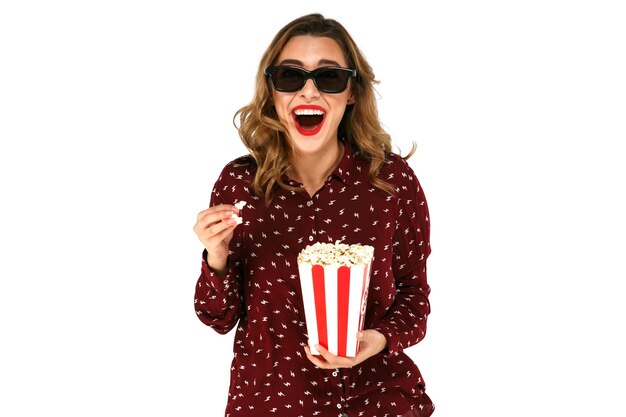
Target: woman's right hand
point(214, 228)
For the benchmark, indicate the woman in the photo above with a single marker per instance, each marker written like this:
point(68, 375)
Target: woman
point(320, 169)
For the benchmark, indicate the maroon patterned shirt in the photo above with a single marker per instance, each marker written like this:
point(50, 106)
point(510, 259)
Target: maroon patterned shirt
point(270, 373)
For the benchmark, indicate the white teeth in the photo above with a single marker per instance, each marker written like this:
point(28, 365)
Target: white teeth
point(308, 112)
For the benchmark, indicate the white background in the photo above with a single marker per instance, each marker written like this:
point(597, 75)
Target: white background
point(116, 117)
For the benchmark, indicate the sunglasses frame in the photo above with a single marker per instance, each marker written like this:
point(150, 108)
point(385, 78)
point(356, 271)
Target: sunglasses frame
point(269, 72)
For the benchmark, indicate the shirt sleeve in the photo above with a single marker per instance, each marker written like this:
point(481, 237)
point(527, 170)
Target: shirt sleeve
point(404, 324)
point(218, 298)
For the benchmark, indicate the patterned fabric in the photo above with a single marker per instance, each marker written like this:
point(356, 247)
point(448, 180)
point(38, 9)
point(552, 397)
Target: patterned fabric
point(270, 373)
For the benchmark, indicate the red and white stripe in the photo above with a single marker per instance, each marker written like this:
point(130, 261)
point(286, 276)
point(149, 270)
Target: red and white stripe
point(334, 306)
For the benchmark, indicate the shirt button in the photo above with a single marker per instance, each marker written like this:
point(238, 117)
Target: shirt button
point(311, 238)
point(335, 373)
point(309, 203)
point(338, 405)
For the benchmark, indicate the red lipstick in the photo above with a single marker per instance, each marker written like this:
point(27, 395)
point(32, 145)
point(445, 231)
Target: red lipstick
point(308, 118)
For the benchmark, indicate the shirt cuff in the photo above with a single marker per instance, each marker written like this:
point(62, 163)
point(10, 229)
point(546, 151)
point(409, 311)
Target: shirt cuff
point(217, 282)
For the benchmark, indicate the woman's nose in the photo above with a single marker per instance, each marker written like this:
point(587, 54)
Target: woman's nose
point(309, 90)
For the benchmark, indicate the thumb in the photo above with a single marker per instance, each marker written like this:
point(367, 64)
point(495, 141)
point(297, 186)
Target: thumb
point(361, 335)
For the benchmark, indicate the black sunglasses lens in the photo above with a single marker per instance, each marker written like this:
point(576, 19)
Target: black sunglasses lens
point(328, 80)
point(288, 79)
point(332, 80)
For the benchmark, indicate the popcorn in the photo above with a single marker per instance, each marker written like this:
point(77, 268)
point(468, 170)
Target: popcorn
point(334, 279)
point(336, 254)
point(240, 205)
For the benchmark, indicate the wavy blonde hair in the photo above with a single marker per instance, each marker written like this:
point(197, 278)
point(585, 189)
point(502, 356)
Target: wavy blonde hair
point(266, 137)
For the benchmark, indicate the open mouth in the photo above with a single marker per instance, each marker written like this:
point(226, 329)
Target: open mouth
point(308, 119)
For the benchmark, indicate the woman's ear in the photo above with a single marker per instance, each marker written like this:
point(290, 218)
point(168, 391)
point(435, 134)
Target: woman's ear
point(351, 100)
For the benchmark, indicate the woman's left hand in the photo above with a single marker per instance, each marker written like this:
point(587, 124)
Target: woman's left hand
point(371, 343)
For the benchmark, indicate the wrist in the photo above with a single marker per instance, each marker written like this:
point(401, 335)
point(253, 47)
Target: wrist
point(217, 266)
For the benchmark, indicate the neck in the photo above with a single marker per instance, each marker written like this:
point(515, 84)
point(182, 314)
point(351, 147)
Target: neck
point(312, 170)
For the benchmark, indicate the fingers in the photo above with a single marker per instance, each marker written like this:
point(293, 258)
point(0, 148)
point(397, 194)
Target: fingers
point(220, 231)
point(215, 214)
point(214, 232)
point(327, 360)
point(371, 341)
point(318, 361)
point(214, 228)
point(214, 220)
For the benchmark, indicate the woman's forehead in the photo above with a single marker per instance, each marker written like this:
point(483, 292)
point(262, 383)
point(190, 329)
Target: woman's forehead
point(311, 51)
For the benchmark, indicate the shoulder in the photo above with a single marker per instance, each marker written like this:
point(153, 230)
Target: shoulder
point(396, 169)
point(241, 168)
point(234, 180)
point(392, 162)
point(242, 163)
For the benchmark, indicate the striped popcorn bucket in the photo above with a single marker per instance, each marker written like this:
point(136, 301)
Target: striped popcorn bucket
point(334, 299)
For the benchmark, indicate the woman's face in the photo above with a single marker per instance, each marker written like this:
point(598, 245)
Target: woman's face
point(312, 117)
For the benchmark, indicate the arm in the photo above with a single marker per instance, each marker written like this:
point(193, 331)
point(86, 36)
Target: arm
point(405, 322)
point(218, 297)
point(404, 325)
